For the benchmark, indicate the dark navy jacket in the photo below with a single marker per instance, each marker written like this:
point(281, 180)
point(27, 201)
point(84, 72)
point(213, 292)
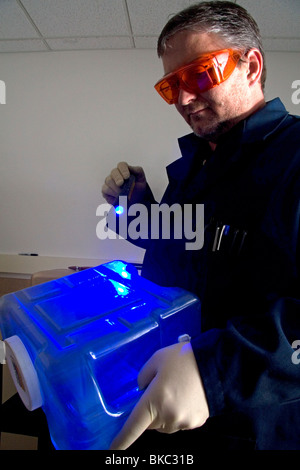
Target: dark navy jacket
point(249, 287)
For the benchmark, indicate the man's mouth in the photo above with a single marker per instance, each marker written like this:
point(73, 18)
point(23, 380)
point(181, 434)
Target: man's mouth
point(196, 113)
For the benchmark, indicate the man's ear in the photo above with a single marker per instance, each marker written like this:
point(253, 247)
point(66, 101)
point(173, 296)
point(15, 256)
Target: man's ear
point(255, 66)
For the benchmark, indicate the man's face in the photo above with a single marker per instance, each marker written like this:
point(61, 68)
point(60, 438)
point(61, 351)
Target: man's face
point(211, 113)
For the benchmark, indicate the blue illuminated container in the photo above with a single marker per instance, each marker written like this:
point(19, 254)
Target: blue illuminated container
point(85, 337)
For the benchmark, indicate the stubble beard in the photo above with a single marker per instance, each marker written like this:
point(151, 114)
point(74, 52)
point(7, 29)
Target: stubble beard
point(215, 130)
point(214, 134)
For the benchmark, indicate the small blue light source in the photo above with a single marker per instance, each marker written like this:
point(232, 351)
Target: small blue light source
point(119, 210)
point(87, 336)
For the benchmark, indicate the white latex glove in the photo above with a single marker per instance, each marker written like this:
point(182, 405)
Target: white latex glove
point(174, 399)
point(113, 182)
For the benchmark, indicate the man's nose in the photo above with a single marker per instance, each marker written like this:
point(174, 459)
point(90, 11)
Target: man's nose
point(186, 97)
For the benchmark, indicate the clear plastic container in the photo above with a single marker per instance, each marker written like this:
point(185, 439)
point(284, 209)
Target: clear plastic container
point(75, 346)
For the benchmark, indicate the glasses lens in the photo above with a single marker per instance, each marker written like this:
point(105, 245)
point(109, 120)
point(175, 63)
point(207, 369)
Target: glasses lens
point(168, 89)
point(197, 79)
point(228, 66)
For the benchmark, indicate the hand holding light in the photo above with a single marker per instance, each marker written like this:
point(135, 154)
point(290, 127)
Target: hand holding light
point(114, 181)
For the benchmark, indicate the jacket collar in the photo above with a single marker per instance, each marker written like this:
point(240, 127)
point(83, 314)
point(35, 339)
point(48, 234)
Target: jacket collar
point(260, 125)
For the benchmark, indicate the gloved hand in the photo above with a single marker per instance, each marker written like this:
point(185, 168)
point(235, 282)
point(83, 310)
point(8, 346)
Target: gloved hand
point(173, 400)
point(113, 182)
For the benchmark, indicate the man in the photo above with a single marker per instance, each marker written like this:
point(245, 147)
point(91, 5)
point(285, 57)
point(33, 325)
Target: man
point(235, 383)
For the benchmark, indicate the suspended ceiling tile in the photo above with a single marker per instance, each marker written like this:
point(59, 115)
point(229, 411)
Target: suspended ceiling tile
point(148, 17)
point(278, 18)
point(68, 44)
point(57, 18)
point(13, 22)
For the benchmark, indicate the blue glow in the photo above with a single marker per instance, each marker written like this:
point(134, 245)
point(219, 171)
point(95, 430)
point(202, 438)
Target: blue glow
point(119, 210)
point(227, 228)
point(120, 268)
point(120, 288)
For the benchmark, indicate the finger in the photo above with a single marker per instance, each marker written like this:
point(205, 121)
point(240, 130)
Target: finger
point(139, 420)
point(148, 372)
point(110, 199)
point(110, 182)
point(107, 191)
point(117, 177)
point(108, 194)
point(123, 168)
point(138, 172)
point(165, 430)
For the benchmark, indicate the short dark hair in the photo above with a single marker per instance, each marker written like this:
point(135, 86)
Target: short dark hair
point(230, 21)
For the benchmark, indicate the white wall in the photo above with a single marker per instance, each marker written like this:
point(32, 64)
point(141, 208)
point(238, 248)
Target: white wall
point(69, 118)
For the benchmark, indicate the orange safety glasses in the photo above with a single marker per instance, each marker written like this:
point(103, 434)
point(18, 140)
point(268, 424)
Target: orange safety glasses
point(204, 73)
